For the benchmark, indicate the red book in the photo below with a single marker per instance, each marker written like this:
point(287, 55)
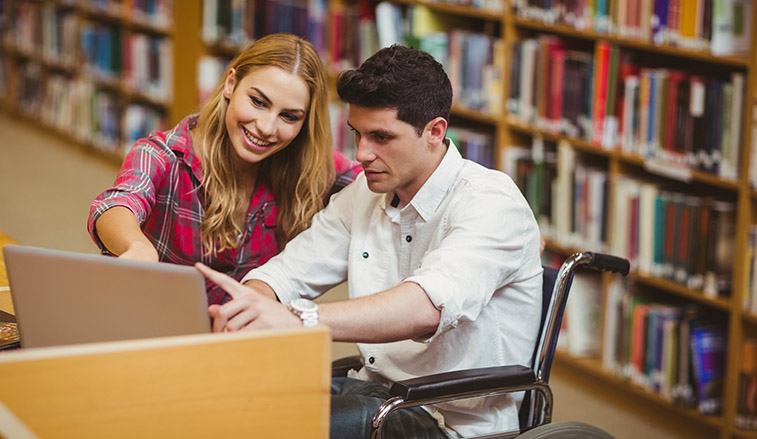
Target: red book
point(337, 25)
point(670, 233)
point(671, 103)
point(556, 88)
point(547, 46)
point(627, 68)
point(601, 63)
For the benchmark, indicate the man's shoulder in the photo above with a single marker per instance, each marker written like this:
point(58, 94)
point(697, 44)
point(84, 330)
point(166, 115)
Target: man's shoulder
point(479, 177)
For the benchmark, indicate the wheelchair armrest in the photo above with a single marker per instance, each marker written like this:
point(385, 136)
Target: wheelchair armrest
point(462, 382)
point(340, 367)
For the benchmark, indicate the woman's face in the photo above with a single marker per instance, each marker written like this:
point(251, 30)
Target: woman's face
point(266, 111)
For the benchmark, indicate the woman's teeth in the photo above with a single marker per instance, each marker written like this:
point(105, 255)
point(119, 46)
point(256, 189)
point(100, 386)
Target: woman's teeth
point(254, 139)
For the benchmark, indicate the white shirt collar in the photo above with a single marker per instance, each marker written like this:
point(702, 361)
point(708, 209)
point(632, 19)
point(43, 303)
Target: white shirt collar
point(432, 193)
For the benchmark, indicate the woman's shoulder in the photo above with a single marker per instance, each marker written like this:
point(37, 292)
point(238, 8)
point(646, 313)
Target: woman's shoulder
point(346, 171)
point(343, 164)
point(168, 144)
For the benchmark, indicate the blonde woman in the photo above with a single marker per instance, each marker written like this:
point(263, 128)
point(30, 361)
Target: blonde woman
point(231, 186)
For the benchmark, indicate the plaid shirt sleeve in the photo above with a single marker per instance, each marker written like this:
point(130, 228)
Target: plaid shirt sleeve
point(141, 173)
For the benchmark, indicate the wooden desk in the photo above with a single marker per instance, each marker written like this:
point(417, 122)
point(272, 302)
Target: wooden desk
point(5, 295)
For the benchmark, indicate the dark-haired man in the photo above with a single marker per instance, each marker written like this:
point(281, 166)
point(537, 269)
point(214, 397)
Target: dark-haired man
point(440, 254)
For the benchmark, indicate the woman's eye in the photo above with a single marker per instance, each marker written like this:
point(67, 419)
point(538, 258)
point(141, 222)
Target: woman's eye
point(289, 117)
point(257, 102)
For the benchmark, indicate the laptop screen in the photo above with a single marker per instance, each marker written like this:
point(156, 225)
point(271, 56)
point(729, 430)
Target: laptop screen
point(62, 297)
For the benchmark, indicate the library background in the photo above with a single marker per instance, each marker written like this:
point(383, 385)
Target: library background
point(630, 126)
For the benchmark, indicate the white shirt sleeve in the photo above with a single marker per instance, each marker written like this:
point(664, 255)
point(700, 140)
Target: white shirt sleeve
point(481, 251)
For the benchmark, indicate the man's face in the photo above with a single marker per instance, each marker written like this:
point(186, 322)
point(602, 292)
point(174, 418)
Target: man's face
point(394, 158)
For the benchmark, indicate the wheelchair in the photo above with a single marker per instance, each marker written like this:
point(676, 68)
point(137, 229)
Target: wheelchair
point(535, 414)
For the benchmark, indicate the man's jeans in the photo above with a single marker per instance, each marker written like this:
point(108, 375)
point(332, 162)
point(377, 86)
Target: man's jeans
point(353, 403)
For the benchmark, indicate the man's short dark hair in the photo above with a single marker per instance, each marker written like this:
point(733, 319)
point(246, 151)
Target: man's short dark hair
point(397, 77)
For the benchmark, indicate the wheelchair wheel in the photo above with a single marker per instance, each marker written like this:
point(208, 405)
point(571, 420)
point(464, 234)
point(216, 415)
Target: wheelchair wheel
point(566, 430)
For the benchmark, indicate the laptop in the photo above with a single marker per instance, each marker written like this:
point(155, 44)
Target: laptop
point(63, 297)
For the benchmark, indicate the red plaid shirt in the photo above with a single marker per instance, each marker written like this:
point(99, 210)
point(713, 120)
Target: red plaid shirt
point(160, 182)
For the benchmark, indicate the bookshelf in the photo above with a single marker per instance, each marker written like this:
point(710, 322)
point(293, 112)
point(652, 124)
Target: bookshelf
point(40, 75)
point(499, 135)
point(625, 170)
point(101, 73)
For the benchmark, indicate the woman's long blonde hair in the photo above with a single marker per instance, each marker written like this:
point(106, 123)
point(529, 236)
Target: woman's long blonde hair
point(300, 175)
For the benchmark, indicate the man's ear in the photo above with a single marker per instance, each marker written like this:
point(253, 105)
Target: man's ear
point(228, 85)
point(437, 129)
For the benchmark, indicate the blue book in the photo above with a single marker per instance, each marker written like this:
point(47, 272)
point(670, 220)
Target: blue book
point(708, 350)
point(660, 21)
point(651, 114)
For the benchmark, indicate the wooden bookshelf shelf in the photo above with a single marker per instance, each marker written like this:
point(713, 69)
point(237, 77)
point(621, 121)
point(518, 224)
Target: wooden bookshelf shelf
point(593, 367)
point(749, 317)
point(479, 116)
point(721, 303)
point(640, 45)
point(451, 8)
point(685, 175)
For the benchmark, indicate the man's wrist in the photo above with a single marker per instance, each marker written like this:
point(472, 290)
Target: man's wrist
point(262, 288)
point(306, 310)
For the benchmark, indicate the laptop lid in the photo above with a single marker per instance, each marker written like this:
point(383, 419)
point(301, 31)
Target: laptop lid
point(62, 297)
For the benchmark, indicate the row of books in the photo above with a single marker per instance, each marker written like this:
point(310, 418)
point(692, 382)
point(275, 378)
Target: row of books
point(353, 37)
point(143, 63)
point(580, 328)
point(722, 27)
point(686, 238)
point(662, 231)
point(474, 144)
point(48, 30)
point(686, 120)
point(567, 195)
point(154, 13)
point(210, 69)
point(148, 66)
point(486, 5)
point(239, 22)
point(676, 351)
point(83, 111)
point(666, 116)
point(474, 61)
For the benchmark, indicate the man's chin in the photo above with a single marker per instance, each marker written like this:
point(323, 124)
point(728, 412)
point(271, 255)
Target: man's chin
point(378, 188)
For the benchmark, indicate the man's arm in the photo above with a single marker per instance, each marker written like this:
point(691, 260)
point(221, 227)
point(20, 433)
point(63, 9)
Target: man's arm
point(399, 313)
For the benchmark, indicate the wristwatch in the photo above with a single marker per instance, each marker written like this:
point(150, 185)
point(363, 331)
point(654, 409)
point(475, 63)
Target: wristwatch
point(306, 310)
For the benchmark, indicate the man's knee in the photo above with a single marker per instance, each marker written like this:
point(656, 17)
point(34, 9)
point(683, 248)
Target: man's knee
point(351, 415)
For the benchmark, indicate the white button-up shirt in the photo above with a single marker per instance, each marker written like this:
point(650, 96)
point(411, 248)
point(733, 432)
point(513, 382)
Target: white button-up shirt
point(469, 239)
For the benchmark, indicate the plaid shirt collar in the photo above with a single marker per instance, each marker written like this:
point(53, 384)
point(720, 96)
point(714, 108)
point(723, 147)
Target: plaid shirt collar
point(180, 142)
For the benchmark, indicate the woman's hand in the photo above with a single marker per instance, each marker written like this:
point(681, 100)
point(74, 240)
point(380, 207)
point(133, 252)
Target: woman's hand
point(249, 309)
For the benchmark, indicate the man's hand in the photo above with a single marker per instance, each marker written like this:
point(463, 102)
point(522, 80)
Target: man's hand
point(248, 309)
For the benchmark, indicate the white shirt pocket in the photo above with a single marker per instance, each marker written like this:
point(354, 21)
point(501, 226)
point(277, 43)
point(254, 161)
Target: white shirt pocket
point(369, 271)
